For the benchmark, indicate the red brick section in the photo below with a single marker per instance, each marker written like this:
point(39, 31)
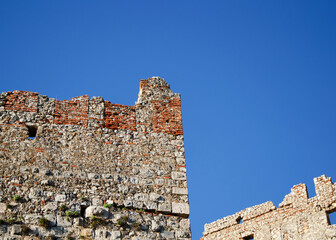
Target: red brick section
point(167, 116)
point(73, 111)
point(143, 83)
point(119, 116)
point(22, 101)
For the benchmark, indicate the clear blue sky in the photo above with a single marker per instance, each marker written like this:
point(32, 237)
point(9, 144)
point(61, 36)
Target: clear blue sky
point(257, 78)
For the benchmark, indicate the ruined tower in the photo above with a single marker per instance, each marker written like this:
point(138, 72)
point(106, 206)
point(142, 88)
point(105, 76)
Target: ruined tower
point(298, 217)
point(90, 169)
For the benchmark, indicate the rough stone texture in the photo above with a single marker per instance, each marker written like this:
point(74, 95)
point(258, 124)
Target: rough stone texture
point(297, 217)
point(87, 168)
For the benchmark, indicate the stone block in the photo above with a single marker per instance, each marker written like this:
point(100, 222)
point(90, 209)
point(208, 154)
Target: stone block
point(88, 233)
point(51, 206)
point(60, 198)
point(34, 193)
point(141, 197)
point(185, 224)
point(32, 219)
point(151, 205)
point(96, 211)
point(16, 230)
point(167, 234)
point(62, 221)
point(183, 234)
point(179, 176)
point(156, 197)
point(68, 174)
point(138, 204)
point(165, 207)
point(93, 176)
point(3, 208)
point(181, 191)
point(180, 208)
point(115, 235)
point(52, 219)
point(101, 234)
point(97, 202)
point(159, 181)
point(128, 203)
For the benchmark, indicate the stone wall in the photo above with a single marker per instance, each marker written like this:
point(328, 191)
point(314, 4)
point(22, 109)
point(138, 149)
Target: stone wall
point(89, 169)
point(297, 217)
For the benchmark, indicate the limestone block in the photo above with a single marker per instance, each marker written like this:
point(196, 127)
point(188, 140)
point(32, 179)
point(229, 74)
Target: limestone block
point(60, 198)
point(128, 203)
point(3, 229)
point(138, 204)
point(165, 207)
point(68, 174)
point(183, 234)
point(3, 207)
point(32, 218)
point(16, 230)
point(156, 197)
point(34, 193)
point(78, 222)
point(45, 172)
point(147, 182)
point(115, 235)
point(93, 176)
point(156, 227)
point(185, 224)
point(52, 206)
point(181, 191)
point(101, 234)
point(47, 182)
point(146, 173)
point(97, 202)
point(180, 208)
point(62, 221)
point(151, 205)
point(159, 181)
point(81, 175)
point(172, 224)
point(107, 176)
point(141, 197)
point(179, 176)
point(24, 169)
point(96, 211)
point(167, 234)
point(87, 232)
point(51, 218)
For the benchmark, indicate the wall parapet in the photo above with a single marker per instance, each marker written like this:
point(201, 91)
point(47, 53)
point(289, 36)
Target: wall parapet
point(155, 94)
point(261, 220)
point(91, 168)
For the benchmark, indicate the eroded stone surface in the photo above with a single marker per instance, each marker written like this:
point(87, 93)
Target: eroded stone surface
point(297, 217)
point(87, 167)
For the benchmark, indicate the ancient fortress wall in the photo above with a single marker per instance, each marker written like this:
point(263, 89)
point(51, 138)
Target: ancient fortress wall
point(89, 169)
point(297, 217)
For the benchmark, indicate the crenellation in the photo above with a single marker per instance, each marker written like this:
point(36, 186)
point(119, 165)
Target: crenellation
point(297, 217)
point(297, 196)
point(91, 157)
point(325, 191)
